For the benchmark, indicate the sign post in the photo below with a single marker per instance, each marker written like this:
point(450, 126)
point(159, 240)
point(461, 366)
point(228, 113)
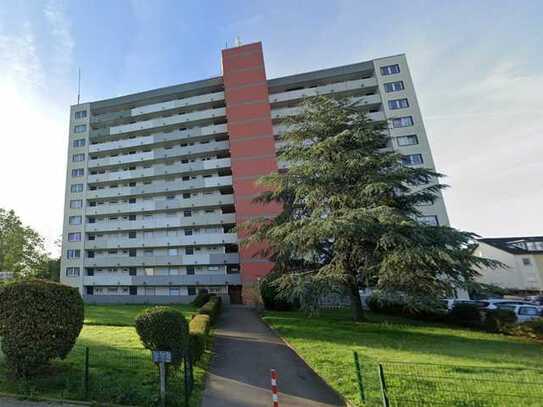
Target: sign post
point(162, 358)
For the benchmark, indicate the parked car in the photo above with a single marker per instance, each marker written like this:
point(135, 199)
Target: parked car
point(535, 299)
point(523, 312)
point(493, 303)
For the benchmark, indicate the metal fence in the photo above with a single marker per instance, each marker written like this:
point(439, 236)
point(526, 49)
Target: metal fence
point(105, 375)
point(394, 384)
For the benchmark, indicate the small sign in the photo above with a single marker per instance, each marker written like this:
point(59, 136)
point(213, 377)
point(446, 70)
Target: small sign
point(160, 356)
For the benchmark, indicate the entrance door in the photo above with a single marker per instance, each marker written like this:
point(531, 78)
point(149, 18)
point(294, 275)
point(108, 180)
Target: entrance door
point(234, 291)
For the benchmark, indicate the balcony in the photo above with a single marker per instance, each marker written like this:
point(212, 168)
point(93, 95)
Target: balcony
point(193, 279)
point(160, 170)
point(178, 103)
point(177, 186)
point(152, 206)
point(160, 137)
point(335, 88)
point(167, 241)
point(197, 259)
point(163, 223)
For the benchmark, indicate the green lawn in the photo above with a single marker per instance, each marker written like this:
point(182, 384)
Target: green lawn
point(123, 315)
point(121, 370)
point(327, 344)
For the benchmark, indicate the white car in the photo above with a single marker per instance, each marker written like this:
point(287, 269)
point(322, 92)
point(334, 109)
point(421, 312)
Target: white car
point(494, 303)
point(523, 312)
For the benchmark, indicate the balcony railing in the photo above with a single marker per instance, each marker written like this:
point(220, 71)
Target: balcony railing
point(142, 261)
point(167, 241)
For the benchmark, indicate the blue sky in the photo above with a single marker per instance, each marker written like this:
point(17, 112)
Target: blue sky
point(477, 67)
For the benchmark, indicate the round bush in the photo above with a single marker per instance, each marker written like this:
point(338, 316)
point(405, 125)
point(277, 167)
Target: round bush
point(497, 319)
point(466, 314)
point(270, 294)
point(164, 329)
point(39, 321)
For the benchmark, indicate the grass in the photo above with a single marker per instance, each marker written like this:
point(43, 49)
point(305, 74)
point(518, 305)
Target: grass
point(121, 370)
point(327, 344)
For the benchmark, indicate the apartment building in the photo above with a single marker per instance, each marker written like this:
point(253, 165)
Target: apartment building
point(523, 261)
point(158, 180)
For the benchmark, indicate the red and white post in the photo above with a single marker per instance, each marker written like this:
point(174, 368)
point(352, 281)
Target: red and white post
point(275, 399)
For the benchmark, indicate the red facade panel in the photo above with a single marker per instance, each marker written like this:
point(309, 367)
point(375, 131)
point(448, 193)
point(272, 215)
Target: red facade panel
point(252, 147)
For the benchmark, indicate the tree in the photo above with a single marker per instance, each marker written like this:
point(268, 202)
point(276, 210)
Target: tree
point(350, 213)
point(22, 249)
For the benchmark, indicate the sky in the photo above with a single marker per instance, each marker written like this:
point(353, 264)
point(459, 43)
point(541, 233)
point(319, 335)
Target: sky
point(477, 68)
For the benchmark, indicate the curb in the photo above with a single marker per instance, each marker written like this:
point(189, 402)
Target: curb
point(347, 402)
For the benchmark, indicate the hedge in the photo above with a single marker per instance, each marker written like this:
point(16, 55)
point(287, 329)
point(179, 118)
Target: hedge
point(198, 332)
point(39, 321)
point(211, 308)
point(466, 314)
point(165, 329)
point(496, 320)
point(531, 329)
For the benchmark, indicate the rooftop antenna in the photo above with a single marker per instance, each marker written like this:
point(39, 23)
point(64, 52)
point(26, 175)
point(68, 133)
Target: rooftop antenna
point(78, 85)
point(237, 41)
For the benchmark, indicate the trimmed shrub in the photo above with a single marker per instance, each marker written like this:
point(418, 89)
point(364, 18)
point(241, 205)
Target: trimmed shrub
point(466, 314)
point(202, 297)
point(270, 295)
point(496, 320)
point(198, 331)
point(39, 321)
point(211, 308)
point(165, 329)
point(530, 329)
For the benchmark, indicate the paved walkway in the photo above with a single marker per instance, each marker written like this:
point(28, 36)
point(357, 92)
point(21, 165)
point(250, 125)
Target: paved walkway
point(245, 351)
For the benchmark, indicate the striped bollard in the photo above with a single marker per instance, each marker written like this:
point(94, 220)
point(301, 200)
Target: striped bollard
point(275, 399)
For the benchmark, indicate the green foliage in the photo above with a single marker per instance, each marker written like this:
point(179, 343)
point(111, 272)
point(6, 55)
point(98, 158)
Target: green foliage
point(423, 308)
point(211, 308)
point(198, 330)
point(202, 297)
point(478, 290)
point(350, 208)
point(496, 320)
point(22, 249)
point(271, 294)
point(530, 329)
point(466, 314)
point(39, 321)
point(165, 329)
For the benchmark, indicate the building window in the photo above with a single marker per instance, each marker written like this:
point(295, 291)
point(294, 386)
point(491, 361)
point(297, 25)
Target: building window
point(188, 232)
point(175, 291)
point(170, 197)
point(149, 271)
point(81, 114)
point(390, 69)
point(187, 213)
point(190, 270)
point(428, 220)
point(186, 195)
point(398, 104)
point(191, 290)
point(76, 203)
point(74, 237)
point(394, 86)
point(73, 254)
point(80, 128)
point(526, 261)
point(412, 159)
point(189, 250)
point(74, 220)
point(132, 271)
point(78, 172)
point(150, 291)
point(79, 142)
point(409, 140)
point(402, 121)
point(78, 157)
point(76, 188)
point(72, 271)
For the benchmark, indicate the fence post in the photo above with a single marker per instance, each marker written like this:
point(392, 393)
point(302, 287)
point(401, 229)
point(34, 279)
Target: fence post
point(86, 381)
point(186, 378)
point(359, 376)
point(383, 386)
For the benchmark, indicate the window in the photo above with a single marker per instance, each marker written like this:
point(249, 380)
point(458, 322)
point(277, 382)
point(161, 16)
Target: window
point(149, 271)
point(74, 220)
point(189, 250)
point(76, 188)
point(390, 69)
point(72, 271)
point(132, 271)
point(76, 203)
point(190, 270)
point(394, 86)
point(402, 122)
point(132, 201)
point(170, 197)
point(150, 291)
point(191, 290)
point(409, 140)
point(428, 220)
point(188, 232)
point(187, 213)
point(78, 172)
point(186, 195)
point(131, 235)
point(398, 104)
point(74, 237)
point(78, 157)
point(81, 128)
point(81, 114)
point(131, 217)
point(175, 291)
point(73, 254)
point(132, 252)
point(412, 159)
point(80, 142)
point(90, 272)
point(526, 261)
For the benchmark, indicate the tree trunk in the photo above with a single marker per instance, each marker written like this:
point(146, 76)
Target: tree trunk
point(356, 302)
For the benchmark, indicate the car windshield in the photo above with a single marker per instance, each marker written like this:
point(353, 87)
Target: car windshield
point(528, 311)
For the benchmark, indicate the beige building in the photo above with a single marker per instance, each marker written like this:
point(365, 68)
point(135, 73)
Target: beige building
point(523, 257)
